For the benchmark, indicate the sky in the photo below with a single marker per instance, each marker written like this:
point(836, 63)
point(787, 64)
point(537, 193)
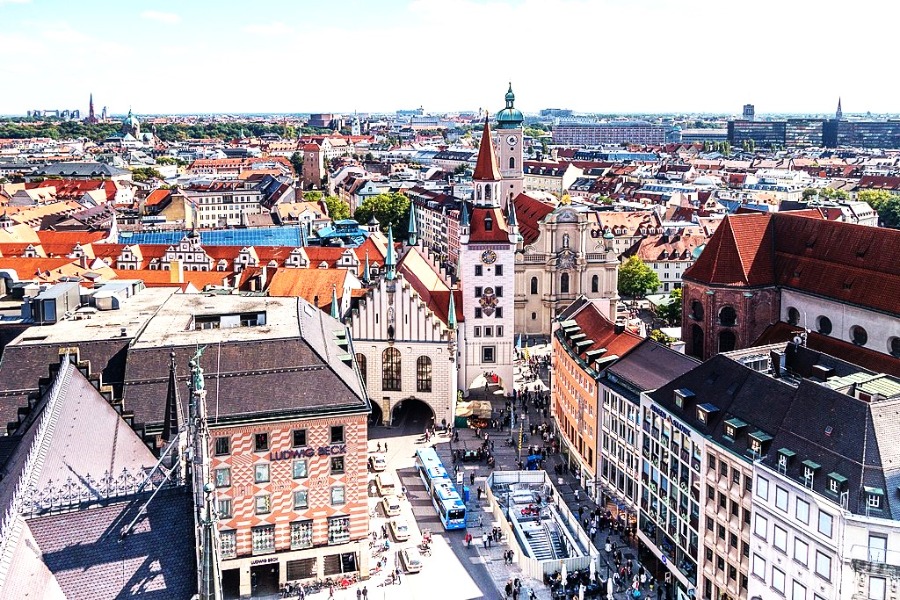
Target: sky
point(605, 56)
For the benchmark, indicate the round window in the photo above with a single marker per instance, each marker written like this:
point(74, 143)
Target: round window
point(793, 316)
point(894, 346)
point(823, 325)
point(858, 335)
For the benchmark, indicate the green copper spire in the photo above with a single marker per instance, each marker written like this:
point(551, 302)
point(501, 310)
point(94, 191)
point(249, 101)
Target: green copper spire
point(334, 302)
point(451, 312)
point(367, 275)
point(511, 217)
point(390, 261)
point(464, 215)
point(413, 229)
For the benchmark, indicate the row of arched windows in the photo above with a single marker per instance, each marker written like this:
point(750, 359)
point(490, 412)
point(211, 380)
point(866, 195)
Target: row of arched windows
point(391, 371)
point(564, 284)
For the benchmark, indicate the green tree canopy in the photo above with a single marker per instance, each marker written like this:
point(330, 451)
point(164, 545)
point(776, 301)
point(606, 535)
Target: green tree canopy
point(141, 174)
point(390, 209)
point(636, 278)
point(297, 162)
point(827, 193)
point(671, 312)
point(337, 208)
point(312, 196)
point(662, 338)
point(886, 204)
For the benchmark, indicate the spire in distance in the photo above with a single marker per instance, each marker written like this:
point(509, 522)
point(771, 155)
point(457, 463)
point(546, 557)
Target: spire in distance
point(390, 261)
point(839, 114)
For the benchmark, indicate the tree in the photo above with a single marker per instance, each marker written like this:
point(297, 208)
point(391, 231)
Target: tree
point(636, 278)
point(312, 196)
point(826, 193)
point(886, 204)
point(390, 209)
point(671, 312)
point(142, 174)
point(658, 336)
point(297, 162)
point(337, 208)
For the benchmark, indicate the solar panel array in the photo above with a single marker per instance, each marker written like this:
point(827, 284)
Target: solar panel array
point(263, 236)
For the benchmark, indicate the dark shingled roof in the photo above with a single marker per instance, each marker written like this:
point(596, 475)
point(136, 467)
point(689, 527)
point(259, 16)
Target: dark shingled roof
point(650, 365)
point(155, 561)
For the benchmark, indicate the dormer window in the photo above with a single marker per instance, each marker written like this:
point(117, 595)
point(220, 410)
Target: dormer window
point(704, 411)
point(784, 458)
point(756, 446)
point(681, 395)
point(733, 427)
point(873, 497)
point(836, 482)
point(809, 470)
point(488, 224)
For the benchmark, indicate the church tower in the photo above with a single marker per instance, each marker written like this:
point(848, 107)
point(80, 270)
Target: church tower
point(509, 130)
point(487, 242)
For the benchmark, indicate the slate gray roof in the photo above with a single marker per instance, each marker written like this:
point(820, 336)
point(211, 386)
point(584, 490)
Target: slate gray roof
point(651, 365)
point(82, 554)
point(857, 439)
point(80, 169)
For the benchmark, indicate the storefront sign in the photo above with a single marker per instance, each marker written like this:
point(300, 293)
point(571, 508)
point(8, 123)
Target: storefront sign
point(333, 450)
point(264, 561)
point(666, 417)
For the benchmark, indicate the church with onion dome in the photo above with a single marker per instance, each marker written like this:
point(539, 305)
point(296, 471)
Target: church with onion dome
point(130, 135)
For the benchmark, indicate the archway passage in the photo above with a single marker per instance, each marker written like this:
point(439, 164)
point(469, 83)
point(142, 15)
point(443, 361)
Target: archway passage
point(412, 415)
point(485, 387)
point(376, 417)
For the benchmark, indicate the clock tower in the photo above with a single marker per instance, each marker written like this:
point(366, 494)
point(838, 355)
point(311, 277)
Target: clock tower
point(509, 140)
point(487, 247)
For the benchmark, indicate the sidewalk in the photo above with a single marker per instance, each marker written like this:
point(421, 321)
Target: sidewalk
point(567, 484)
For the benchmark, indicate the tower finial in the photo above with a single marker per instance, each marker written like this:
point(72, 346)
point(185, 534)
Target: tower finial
point(413, 239)
point(390, 261)
point(334, 302)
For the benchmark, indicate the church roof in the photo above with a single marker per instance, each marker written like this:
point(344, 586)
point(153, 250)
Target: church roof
point(486, 166)
point(424, 278)
point(529, 212)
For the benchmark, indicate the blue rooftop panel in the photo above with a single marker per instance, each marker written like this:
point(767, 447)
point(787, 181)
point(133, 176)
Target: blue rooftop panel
point(263, 236)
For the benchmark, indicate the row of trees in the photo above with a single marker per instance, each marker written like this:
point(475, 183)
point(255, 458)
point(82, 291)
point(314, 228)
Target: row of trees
point(168, 133)
point(389, 208)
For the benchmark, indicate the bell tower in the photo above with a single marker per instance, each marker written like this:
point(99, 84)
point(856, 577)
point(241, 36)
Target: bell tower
point(510, 141)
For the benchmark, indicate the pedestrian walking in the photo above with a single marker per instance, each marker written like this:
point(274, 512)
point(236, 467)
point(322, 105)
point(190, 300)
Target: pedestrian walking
point(365, 593)
point(484, 540)
point(358, 594)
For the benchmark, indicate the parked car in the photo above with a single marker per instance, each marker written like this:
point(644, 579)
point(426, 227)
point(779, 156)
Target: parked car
point(377, 463)
point(411, 560)
point(390, 505)
point(399, 529)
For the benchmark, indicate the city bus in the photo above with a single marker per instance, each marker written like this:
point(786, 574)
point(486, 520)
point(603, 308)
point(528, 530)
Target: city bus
point(430, 468)
point(450, 507)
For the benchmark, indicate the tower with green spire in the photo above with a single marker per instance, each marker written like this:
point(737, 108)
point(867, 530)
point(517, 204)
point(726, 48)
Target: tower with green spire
point(510, 141)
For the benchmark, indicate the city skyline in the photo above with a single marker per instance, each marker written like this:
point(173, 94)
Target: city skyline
point(173, 58)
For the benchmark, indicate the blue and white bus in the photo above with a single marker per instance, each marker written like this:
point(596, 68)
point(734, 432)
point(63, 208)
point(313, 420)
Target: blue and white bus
point(450, 507)
point(430, 468)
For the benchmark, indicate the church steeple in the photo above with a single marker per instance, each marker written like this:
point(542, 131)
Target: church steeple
point(413, 238)
point(367, 274)
point(335, 313)
point(390, 260)
point(172, 417)
point(451, 312)
point(839, 114)
point(486, 167)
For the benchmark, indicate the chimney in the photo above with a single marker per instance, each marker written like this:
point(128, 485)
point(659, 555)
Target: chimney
point(176, 272)
point(619, 328)
point(83, 261)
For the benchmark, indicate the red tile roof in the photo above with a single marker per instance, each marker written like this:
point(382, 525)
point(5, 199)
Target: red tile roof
point(486, 166)
point(528, 213)
point(739, 253)
point(477, 230)
point(424, 278)
point(600, 329)
point(157, 197)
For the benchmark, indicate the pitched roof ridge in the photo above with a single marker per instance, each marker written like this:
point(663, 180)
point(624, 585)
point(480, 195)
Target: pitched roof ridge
point(486, 165)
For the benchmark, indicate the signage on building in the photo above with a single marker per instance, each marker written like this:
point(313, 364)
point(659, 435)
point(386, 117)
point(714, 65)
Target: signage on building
point(333, 450)
point(264, 561)
point(667, 417)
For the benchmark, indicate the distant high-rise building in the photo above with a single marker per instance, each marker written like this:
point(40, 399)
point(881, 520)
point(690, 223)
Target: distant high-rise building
point(104, 114)
point(749, 112)
point(839, 114)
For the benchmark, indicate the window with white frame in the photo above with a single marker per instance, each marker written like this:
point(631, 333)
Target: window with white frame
point(778, 580)
point(779, 538)
point(877, 588)
point(301, 535)
point(873, 500)
point(823, 565)
point(263, 539)
point(801, 511)
point(762, 488)
point(761, 526)
point(826, 523)
point(781, 499)
point(759, 566)
point(228, 543)
point(801, 551)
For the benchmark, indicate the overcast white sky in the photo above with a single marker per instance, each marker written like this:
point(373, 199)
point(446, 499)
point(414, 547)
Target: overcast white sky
point(619, 56)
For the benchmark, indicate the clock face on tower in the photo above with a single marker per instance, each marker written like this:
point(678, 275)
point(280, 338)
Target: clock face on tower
point(512, 140)
point(488, 257)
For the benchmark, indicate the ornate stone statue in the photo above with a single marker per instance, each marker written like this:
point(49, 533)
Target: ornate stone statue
point(197, 382)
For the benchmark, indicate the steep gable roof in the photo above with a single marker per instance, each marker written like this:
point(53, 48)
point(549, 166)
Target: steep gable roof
point(741, 253)
point(478, 231)
point(486, 166)
point(529, 213)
